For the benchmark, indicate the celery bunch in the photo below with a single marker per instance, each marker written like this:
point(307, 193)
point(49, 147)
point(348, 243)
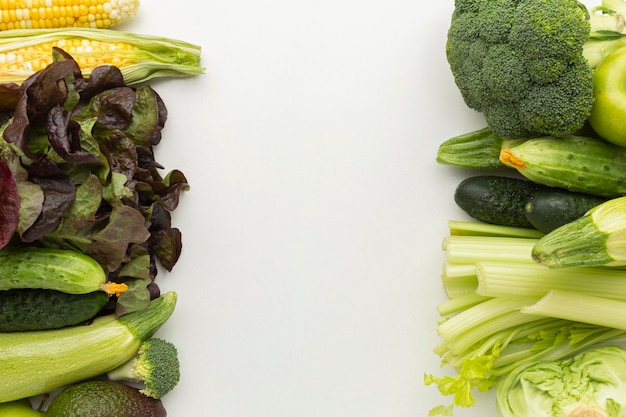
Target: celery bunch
point(505, 310)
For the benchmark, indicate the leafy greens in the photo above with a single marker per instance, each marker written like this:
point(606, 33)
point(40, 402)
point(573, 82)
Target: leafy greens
point(591, 383)
point(78, 171)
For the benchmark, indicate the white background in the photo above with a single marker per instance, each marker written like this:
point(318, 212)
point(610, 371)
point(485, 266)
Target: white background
point(312, 231)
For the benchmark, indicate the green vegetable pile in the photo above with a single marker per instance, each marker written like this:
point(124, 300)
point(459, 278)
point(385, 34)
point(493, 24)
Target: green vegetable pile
point(78, 172)
point(528, 64)
point(536, 277)
point(85, 222)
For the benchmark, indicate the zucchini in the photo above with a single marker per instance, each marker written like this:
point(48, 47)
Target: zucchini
point(582, 164)
point(496, 199)
point(37, 362)
point(554, 207)
point(26, 309)
point(63, 270)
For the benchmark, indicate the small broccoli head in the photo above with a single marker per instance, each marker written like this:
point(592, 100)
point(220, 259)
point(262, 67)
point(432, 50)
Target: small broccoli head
point(504, 51)
point(495, 22)
point(546, 70)
point(550, 28)
point(562, 107)
point(505, 74)
point(467, 5)
point(156, 366)
point(506, 116)
point(469, 73)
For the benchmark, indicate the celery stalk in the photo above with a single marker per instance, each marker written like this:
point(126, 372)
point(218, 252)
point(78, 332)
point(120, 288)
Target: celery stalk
point(469, 249)
point(584, 308)
point(460, 303)
point(499, 279)
point(458, 279)
point(472, 228)
point(470, 326)
point(487, 331)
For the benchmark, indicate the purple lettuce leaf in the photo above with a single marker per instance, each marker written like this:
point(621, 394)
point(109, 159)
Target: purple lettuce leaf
point(9, 204)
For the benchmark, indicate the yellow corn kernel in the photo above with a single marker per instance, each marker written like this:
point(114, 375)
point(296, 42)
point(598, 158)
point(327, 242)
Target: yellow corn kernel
point(87, 53)
point(139, 57)
point(33, 14)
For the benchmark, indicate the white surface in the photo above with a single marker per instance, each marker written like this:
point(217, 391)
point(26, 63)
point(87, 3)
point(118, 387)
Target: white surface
point(312, 231)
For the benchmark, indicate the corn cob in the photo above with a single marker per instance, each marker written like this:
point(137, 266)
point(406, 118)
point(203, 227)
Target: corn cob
point(139, 57)
point(42, 14)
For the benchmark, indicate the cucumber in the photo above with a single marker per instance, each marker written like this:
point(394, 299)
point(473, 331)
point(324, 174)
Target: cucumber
point(54, 269)
point(496, 199)
point(577, 163)
point(476, 149)
point(37, 309)
point(554, 207)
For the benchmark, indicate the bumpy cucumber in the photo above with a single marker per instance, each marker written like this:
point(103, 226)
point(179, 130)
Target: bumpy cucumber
point(554, 207)
point(55, 269)
point(476, 149)
point(582, 164)
point(496, 199)
point(37, 309)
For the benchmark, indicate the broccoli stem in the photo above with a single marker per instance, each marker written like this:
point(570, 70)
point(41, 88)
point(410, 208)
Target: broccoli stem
point(126, 371)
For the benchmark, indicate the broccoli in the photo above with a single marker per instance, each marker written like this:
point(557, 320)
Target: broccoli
point(156, 366)
point(527, 65)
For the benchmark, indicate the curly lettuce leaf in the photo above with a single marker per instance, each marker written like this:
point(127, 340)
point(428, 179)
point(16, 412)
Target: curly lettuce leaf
point(9, 204)
point(31, 196)
point(81, 153)
point(105, 236)
point(59, 193)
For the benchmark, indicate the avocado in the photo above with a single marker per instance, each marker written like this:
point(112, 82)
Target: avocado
point(104, 398)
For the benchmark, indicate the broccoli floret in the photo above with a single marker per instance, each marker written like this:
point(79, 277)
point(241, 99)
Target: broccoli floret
point(156, 366)
point(495, 22)
point(527, 65)
point(467, 5)
point(546, 70)
point(555, 28)
point(504, 73)
point(556, 107)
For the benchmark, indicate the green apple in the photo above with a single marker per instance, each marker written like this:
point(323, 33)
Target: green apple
point(608, 114)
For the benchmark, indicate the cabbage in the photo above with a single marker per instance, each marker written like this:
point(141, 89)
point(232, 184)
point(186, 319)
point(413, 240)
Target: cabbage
point(590, 384)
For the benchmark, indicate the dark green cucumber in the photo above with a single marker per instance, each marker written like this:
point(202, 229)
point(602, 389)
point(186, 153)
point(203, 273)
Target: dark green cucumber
point(37, 309)
point(577, 163)
point(55, 269)
point(554, 207)
point(496, 199)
